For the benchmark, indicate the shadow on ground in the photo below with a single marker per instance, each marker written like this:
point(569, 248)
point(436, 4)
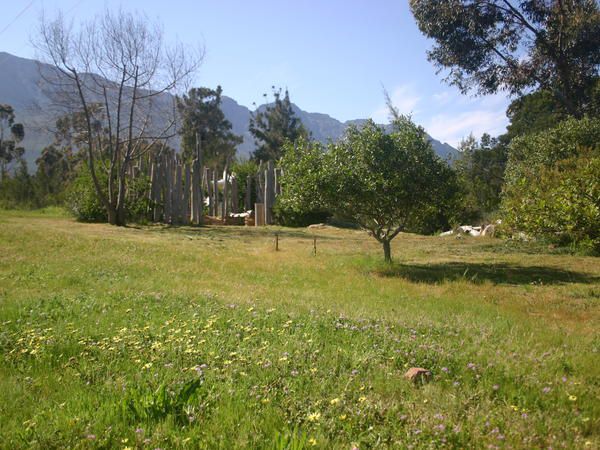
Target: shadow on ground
point(480, 272)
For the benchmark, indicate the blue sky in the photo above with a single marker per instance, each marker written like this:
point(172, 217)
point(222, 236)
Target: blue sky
point(333, 55)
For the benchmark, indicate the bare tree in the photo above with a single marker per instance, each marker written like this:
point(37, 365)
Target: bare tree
point(115, 73)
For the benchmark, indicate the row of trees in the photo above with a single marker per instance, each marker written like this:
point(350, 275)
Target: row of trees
point(545, 54)
point(108, 81)
point(64, 165)
point(542, 174)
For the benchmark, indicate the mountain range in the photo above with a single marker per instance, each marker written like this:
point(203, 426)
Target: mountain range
point(21, 87)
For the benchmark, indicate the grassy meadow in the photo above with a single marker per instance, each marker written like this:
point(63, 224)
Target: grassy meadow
point(158, 337)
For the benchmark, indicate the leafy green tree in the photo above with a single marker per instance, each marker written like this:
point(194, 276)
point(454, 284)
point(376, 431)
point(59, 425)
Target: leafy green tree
point(53, 173)
point(480, 169)
point(202, 118)
point(488, 45)
point(553, 182)
point(387, 183)
point(533, 112)
point(11, 134)
point(18, 190)
point(275, 125)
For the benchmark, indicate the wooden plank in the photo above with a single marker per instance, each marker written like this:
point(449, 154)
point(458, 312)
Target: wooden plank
point(215, 189)
point(168, 189)
point(153, 195)
point(187, 193)
point(177, 193)
point(259, 214)
point(209, 187)
point(260, 185)
point(269, 197)
point(234, 195)
point(225, 203)
point(196, 189)
point(248, 197)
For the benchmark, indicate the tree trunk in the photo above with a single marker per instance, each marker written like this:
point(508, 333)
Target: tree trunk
point(387, 251)
point(112, 215)
point(120, 207)
point(120, 216)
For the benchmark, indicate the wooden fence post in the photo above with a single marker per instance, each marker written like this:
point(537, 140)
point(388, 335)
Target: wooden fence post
point(168, 189)
point(224, 205)
point(187, 193)
point(234, 196)
point(215, 179)
point(197, 185)
point(248, 199)
point(177, 206)
point(259, 214)
point(154, 192)
point(269, 198)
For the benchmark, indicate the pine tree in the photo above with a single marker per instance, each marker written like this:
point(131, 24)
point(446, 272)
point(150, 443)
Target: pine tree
point(274, 126)
point(202, 118)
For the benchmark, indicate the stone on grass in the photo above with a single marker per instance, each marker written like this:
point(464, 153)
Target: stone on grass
point(418, 375)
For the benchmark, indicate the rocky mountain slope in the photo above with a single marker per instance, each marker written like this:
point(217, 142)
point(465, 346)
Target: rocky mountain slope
point(22, 87)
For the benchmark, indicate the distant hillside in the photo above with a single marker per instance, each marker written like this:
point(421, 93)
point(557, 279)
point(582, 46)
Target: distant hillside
point(21, 87)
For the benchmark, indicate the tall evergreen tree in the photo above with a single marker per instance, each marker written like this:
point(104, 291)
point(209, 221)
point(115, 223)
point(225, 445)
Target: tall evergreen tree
point(274, 126)
point(202, 118)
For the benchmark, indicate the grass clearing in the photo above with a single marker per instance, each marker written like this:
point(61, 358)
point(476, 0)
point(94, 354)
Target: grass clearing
point(149, 337)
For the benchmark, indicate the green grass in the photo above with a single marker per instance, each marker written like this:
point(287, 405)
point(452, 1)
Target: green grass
point(159, 337)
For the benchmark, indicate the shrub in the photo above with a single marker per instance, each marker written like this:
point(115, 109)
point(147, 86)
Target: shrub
point(553, 184)
point(290, 217)
point(83, 202)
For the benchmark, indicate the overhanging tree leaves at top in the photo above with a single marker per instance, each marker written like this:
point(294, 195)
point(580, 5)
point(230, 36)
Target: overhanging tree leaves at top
point(491, 45)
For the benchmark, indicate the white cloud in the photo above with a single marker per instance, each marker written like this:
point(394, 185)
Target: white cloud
point(448, 115)
point(404, 97)
point(442, 98)
point(452, 128)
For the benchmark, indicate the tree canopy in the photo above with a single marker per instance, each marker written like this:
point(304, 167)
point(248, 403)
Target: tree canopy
point(491, 45)
point(11, 133)
point(480, 169)
point(202, 118)
point(553, 183)
point(275, 125)
point(387, 183)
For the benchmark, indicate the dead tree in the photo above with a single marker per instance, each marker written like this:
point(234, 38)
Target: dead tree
point(114, 71)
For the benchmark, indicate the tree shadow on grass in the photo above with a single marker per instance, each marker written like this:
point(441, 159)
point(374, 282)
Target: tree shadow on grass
point(479, 272)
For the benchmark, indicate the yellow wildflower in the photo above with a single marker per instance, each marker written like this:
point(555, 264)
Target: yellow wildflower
point(314, 417)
